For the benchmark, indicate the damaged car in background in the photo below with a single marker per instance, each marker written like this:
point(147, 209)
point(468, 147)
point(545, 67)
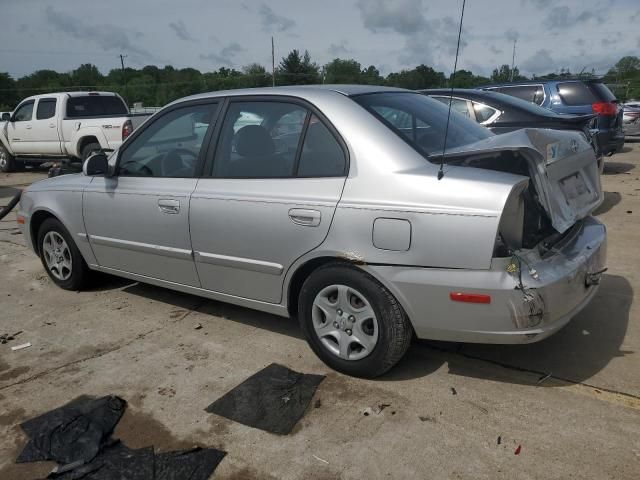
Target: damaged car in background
point(341, 206)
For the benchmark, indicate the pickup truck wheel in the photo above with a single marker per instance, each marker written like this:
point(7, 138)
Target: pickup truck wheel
point(60, 256)
point(352, 322)
point(7, 162)
point(88, 149)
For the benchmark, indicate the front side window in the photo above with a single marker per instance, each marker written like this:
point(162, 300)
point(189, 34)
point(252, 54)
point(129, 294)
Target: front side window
point(46, 108)
point(24, 112)
point(170, 146)
point(422, 121)
point(259, 139)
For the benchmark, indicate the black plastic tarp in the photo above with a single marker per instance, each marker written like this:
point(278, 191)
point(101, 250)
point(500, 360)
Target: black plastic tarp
point(274, 399)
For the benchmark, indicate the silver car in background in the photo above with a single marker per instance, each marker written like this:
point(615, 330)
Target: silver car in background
point(336, 205)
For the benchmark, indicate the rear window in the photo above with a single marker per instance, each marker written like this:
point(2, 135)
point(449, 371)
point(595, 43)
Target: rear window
point(579, 93)
point(95, 106)
point(421, 121)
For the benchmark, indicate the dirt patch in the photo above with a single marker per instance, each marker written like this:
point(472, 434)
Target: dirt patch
point(13, 417)
point(137, 429)
point(26, 471)
point(219, 425)
point(248, 474)
point(13, 373)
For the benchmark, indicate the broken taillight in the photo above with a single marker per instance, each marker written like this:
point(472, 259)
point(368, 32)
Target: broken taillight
point(127, 128)
point(605, 108)
point(469, 297)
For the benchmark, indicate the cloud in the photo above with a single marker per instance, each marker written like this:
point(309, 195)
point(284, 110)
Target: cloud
point(512, 35)
point(225, 57)
point(338, 49)
point(23, 28)
point(561, 18)
point(495, 50)
point(403, 16)
point(538, 3)
point(181, 31)
point(272, 21)
point(106, 36)
point(539, 63)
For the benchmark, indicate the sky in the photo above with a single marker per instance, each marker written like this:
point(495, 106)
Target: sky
point(389, 34)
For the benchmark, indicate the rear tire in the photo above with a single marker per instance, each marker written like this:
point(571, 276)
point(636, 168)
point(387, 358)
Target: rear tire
point(375, 344)
point(88, 149)
point(60, 256)
point(7, 162)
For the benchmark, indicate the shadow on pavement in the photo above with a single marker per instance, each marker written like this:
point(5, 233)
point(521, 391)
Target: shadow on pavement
point(611, 199)
point(576, 353)
point(615, 168)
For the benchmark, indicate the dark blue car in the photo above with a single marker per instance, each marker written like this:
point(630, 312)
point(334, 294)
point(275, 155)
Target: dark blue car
point(574, 97)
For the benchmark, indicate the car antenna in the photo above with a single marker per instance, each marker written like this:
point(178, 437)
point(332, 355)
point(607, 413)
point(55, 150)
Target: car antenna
point(453, 78)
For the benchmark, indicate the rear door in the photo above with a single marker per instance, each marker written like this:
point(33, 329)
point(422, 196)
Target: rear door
point(276, 174)
point(45, 139)
point(20, 128)
point(138, 221)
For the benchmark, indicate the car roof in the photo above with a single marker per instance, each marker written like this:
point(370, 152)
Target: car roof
point(70, 94)
point(300, 90)
point(540, 81)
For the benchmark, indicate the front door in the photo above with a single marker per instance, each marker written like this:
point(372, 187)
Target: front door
point(20, 127)
point(138, 220)
point(278, 173)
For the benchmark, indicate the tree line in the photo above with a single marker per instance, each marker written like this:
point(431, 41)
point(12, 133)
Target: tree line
point(155, 86)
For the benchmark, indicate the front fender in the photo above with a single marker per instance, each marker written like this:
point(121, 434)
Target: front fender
point(5, 140)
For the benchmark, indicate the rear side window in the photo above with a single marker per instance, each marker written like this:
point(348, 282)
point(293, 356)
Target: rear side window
point(457, 105)
point(530, 93)
point(46, 108)
point(321, 154)
point(95, 106)
point(483, 112)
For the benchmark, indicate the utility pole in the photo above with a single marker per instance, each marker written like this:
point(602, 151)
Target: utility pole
point(513, 59)
point(124, 77)
point(273, 63)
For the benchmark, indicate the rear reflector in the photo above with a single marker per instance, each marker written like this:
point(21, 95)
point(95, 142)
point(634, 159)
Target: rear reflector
point(20, 220)
point(469, 297)
point(127, 128)
point(604, 108)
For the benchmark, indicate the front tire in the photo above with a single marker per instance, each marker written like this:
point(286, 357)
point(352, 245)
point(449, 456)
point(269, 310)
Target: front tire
point(60, 256)
point(352, 322)
point(7, 162)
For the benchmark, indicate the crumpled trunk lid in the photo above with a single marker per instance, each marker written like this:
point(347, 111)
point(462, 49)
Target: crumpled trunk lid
point(562, 166)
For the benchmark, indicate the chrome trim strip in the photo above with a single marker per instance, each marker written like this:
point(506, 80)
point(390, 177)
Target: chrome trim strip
point(141, 247)
point(83, 237)
point(242, 263)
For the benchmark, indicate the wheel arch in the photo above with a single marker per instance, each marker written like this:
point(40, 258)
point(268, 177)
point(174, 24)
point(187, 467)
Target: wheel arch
point(84, 141)
point(37, 219)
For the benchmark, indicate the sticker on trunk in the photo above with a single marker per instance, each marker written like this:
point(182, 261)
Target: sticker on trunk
point(553, 151)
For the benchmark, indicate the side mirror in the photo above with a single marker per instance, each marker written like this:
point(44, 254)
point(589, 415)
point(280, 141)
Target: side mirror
point(96, 164)
point(6, 117)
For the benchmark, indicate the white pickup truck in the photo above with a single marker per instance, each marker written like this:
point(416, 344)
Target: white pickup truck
point(62, 126)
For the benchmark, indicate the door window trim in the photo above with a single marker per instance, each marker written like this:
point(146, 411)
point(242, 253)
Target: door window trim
point(47, 99)
point(544, 92)
point(26, 102)
point(311, 110)
point(206, 140)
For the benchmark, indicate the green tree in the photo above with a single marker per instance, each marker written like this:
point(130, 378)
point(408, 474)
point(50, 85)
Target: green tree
point(418, 78)
point(342, 71)
point(502, 74)
point(297, 70)
point(371, 76)
point(8, 92)
point(87, 75)
point(255, 75)
point(466, 79)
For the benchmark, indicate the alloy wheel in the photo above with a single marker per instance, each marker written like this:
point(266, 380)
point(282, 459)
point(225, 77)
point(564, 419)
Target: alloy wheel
point(57, 255)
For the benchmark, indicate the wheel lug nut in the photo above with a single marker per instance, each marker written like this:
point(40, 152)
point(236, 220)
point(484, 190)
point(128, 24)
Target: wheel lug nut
point(335, 324)
point(352, 319)
point(348, 330)
point(339, 312)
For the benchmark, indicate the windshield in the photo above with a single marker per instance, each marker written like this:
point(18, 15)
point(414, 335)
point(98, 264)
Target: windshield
point(517, 102)
point(421, 121)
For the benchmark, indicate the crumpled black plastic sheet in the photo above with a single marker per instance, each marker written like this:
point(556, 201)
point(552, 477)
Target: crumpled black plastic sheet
point(75, 432)
point(121, 463)
point(274, 399)
point(78, 437)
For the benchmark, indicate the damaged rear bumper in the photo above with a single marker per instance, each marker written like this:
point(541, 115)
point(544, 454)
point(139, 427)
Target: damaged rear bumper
point(556, 287)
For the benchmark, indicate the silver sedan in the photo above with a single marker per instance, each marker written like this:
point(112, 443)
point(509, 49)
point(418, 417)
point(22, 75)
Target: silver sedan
point(358, 210)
